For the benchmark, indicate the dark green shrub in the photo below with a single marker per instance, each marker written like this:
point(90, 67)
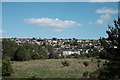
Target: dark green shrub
point(70, 56)
point(91, 60)
point(54, 56)
point(62, 56)
point(76, 55)
point(65, 63)
point(96, 73)
point(86, 63)
point(6, 67)
point(86, 74)
point(33, 77)
point(35, 56)
point(105, 63)
point(98, 61)
point(98, 65)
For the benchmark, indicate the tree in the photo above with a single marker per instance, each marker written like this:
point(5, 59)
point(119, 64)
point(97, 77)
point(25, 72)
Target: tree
point(9, 48)
point(104, 44)
point(32, 49)
point(35, 51)
point(54, 38)
point(6, 67)
point(112, 68)
point(33, 38)
point(51, 51)
point(43, 53)
point(103, 54)
point(21, 54)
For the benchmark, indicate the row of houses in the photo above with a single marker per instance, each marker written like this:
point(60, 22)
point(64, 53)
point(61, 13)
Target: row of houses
point(73, 51)
point(66, 52)
point(57, 42)
point(62, 48)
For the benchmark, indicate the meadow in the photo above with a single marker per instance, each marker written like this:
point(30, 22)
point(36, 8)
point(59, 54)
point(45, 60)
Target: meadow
point(52, 68)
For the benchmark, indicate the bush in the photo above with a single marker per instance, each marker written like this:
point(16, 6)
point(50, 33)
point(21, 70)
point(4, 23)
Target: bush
point(33, 77)
point(86, 63)
point(70, 56)
point(98, 65)
point(79, 62)
point(98, 61)
point(6, 67)
point(86, 74)
point(96, 73)
point(76, 55)
point(65, 63)
point(35, 56)
point(105, 63)
point(91, 60)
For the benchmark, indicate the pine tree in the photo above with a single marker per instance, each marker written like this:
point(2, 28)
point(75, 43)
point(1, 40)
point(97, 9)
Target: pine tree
point(112, 68)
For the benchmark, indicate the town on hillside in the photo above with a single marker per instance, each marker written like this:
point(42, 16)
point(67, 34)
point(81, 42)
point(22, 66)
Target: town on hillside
point(63, 46)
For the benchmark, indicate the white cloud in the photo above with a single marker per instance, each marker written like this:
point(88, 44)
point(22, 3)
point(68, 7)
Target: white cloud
point(104, 0)
point(103, 19)
point(106, 10)
point(58, 30)
point(55, 23)
point(2, 32)
point(105, 15)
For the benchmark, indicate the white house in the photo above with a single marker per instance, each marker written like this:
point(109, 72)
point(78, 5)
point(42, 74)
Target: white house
point(71, 51)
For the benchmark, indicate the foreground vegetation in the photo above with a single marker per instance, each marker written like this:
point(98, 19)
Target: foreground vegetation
point(53, 68)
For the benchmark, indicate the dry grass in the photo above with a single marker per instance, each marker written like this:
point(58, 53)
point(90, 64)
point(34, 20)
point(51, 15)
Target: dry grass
point(52, 68)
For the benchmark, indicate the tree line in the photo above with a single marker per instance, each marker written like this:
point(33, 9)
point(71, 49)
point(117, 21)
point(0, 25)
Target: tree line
point(23, 52)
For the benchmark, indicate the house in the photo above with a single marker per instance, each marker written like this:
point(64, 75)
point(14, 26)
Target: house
point(71, 51)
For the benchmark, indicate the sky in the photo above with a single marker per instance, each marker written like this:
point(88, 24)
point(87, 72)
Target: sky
point(82, 20)
point(59, 0)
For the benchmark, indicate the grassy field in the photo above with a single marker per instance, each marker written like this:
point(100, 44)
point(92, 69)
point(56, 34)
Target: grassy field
point(52, 68)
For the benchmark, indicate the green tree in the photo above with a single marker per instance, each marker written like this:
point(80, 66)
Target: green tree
point(54, 38)
point(43, 53)
point(9, 48)
point(21, 54)
point(6, 67)
point(35, 51)
point(32, 49)
point(50, 49)
point(112, 68)
point(103, 53)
